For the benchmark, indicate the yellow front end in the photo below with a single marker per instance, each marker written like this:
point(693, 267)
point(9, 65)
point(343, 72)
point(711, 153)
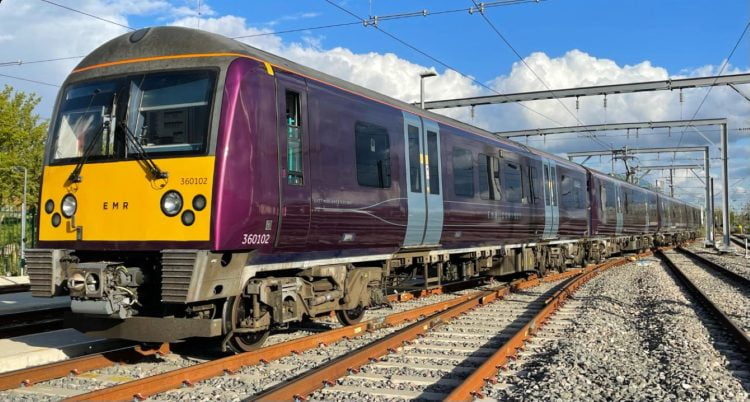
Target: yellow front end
point(119, 202)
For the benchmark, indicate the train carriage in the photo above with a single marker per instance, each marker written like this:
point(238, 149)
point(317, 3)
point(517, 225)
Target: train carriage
point(197, 187)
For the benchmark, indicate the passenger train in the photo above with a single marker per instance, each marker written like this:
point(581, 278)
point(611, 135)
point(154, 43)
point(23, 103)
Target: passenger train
point(194, 186)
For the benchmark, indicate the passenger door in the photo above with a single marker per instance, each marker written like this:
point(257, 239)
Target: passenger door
point(423, 182)
point(551, 207)
point(294, 164)
point(620, 201)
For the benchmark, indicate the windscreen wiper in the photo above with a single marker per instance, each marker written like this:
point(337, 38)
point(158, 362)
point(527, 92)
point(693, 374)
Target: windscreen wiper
point(75, 175)
point(153, 170)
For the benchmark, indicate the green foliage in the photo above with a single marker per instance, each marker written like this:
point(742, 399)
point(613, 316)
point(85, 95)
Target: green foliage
point(22, 137)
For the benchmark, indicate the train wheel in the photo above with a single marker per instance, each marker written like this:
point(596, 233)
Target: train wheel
point(237, 309)
point(350, 317)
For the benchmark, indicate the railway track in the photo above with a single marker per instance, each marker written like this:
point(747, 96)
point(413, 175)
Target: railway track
point(724, 294)
point(102, 366)
point(270, 364)
point(448, 356)
point(31, 322)
point(15, 288)
point(738, 241)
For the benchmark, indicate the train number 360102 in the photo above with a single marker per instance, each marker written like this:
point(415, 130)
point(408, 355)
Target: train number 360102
point(186, 181)
point(248, 238)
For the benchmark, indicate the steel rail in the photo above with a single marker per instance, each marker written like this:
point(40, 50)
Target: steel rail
point(729, 325)
point(145, 387)
point(31, 322)
point(30, 376)
point(472, 385)
point(301, 386)
point(15, 288)
point(33, 375)
point(738, 241)
point(741, 280)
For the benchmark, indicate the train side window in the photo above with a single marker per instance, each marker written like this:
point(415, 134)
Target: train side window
point(603, 203)
point(489, 177)
point(432, 162)
point(463, 172)
point(580, 193)
point(294, 173)
point(567, 196)
point(373, 155)
point(611, 202)
point(512, 187)
point(533, 186)
point(415, 165)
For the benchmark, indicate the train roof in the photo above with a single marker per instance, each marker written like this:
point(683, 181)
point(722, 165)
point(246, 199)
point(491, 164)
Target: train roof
point(157, 42)
point(169, 40)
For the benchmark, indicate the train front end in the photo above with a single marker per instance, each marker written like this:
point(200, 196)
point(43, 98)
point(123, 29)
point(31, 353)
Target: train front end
point(128, 192)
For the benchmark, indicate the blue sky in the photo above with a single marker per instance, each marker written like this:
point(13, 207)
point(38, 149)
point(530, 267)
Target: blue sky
point(567, 43)
point(677, 35)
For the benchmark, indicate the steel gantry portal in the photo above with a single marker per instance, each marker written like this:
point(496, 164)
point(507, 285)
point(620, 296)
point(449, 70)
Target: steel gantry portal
point(662, 85)
point(722, 123)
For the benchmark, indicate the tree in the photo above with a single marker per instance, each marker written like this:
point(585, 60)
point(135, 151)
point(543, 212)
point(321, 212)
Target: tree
point(22, 137)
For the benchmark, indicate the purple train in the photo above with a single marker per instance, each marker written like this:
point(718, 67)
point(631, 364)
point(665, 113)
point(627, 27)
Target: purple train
point(197, 187)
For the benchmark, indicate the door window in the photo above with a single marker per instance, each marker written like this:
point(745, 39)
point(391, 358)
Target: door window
point(414, 163)
point(294, 139)
point(432, 158)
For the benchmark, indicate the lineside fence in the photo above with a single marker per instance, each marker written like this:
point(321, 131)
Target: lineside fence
point(10, 239)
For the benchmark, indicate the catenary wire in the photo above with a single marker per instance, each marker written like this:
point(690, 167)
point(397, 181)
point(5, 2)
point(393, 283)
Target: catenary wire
point(721, 70)
point(29, 80)
point(21, 62)
point(87, 14)
point(438, 61)
point(389, 17)
point(518, 55)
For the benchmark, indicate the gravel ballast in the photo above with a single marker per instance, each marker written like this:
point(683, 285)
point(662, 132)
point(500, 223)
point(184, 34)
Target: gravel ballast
point(633, 335)
point(735, 262)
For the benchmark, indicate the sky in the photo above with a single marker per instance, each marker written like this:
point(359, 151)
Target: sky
point(552, 43)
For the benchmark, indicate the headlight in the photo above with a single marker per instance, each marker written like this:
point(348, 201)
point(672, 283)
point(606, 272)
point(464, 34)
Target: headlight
point(171, 203)
point(49, 206)
point(69, 205)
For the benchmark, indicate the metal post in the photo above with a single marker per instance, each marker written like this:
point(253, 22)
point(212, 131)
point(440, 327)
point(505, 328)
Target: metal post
point(23, 221)
point(23, 215)
point(725, 189)
point(709, 207)
point(422, 76)
point(712, 224)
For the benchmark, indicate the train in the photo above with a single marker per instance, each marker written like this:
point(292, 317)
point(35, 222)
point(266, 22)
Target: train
point(196, 187)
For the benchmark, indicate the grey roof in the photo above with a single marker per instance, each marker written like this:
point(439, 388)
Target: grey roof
point(170, 40)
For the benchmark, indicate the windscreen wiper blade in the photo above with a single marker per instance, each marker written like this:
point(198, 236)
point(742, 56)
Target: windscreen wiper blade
point(75, 175)
point(153, 170)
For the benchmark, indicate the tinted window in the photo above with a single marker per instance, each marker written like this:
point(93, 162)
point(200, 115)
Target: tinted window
point(567, 196)
point(533, 185)
point(414, 164)
point(572, 193)
point(373, 155)
point(293, 139)
point(433, 156)
point(463, 172)
point(489, 177)
point(512, 183)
